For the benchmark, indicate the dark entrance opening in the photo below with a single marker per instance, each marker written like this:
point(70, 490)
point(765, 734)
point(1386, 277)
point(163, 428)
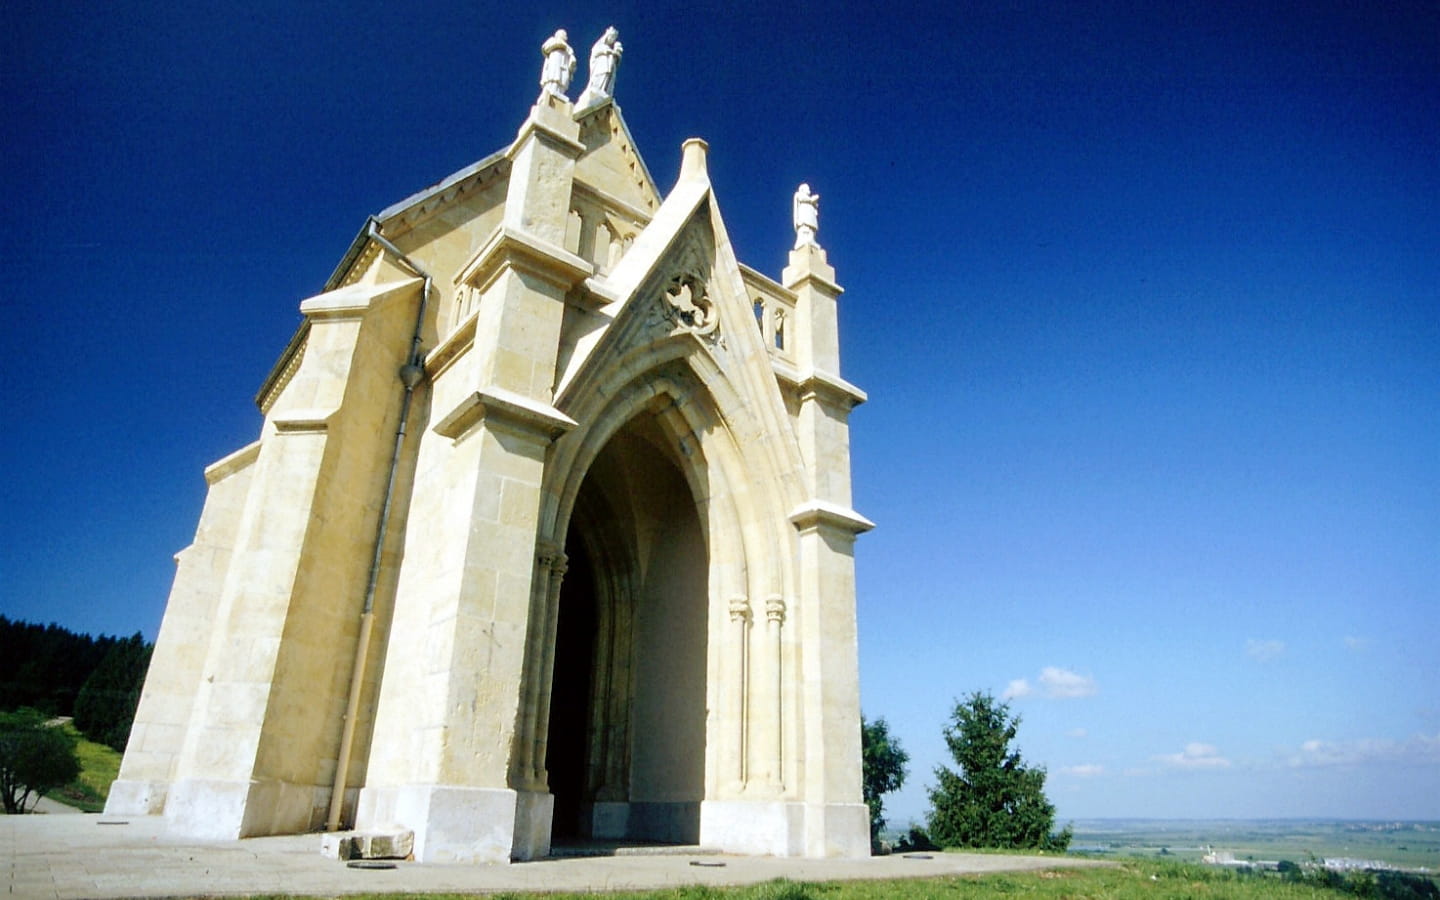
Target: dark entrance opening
point(565, 756)
point(626, 740)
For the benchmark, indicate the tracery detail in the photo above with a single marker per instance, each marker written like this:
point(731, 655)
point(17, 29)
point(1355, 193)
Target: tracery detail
point(688, 306)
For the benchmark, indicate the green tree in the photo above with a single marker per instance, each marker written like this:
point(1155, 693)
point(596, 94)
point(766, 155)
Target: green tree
point(883, 764)
point(34, 758)
point(995, 800)
point(105, 707)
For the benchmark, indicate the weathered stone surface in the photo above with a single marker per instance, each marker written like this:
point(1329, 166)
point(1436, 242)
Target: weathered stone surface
point(615, 595)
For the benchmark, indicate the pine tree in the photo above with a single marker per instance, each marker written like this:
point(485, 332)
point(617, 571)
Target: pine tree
point(105, 707)
point(995, 800)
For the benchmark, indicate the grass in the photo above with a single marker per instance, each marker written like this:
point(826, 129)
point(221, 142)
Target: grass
point(99, 766)
point(1129, 880)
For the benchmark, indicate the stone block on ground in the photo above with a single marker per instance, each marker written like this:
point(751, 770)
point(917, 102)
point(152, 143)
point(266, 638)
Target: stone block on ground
point(346, 845)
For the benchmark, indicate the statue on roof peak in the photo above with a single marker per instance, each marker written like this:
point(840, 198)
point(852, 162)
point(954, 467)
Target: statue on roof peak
point(604, 60)
point(806, 210)
point(559, 66)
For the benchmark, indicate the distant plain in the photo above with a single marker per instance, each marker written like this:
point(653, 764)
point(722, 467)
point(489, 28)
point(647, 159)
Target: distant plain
point(1405, 845)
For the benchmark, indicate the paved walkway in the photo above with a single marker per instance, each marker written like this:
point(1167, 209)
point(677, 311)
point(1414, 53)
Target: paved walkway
point(90, 856)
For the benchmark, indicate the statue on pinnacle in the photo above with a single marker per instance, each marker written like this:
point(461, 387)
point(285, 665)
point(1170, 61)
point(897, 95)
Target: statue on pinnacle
point(559, 66)
point(604, 60)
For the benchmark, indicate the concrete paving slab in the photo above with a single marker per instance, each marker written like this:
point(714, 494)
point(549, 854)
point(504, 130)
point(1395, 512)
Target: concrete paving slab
point(86, 856)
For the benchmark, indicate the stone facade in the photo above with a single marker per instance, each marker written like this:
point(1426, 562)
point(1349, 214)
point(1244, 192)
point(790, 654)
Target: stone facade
point(547, 533)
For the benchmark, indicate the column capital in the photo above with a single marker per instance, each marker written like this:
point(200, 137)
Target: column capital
point(775, 609)
point(739, 609)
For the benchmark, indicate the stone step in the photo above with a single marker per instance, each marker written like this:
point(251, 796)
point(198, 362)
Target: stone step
point(617, 848)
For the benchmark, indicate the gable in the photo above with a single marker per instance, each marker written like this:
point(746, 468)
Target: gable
point(681, 294)
point(610, 165)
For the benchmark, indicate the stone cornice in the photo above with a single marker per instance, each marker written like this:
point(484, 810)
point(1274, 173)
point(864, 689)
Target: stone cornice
point(284, 369)
point(831, 390)
point(460, 339)
point(506, 409)
point(513, 247)
point(480, 171)
point(352, 301)
point(302, 421)
point(226, 466)
point(802, 280)
point(818, 514)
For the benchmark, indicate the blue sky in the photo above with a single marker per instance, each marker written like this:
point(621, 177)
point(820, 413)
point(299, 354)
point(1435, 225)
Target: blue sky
point(1146, 299)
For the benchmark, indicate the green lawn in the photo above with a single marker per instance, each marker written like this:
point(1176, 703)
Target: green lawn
point(98, 767)
point(1129, 880)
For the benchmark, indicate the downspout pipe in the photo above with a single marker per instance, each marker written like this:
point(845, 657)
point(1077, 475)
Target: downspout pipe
point(410, 375)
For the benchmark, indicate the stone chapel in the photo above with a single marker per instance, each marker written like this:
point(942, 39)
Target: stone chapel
point(547, 534)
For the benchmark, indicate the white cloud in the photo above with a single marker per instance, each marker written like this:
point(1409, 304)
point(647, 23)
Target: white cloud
point(1196, 756)
point(1084, 770)
point(1077, 733)
point(1420, 749)
point(1357, 644)
point(1017, 688)
point(1054, 683)
point(1264, 651)
point(1063, 684)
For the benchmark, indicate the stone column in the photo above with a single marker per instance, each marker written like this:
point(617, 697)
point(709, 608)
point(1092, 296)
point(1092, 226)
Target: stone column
point(772, 715)
point(836, 820)
point(739, 688)
point(556, 563)
point(454, 756)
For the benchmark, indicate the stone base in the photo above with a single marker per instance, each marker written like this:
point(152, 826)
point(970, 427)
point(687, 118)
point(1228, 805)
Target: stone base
point(136, 798)
point(462, 824)
point(670, 823)
point(227, 810)
point(759, 828)
point(838, 830)
point(609, 820)
point(780, 828)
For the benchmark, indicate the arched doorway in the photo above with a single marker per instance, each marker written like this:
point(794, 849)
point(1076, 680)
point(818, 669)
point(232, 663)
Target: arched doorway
point(626, 733)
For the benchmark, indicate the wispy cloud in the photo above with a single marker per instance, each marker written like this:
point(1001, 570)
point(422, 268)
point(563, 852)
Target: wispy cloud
point(1065, 684)
point(1077, 733)
point(1264, 651)
point(1418, 750)
point(1017, 688)
point(1054, 683)
point(1084, 770)
point(1195, 756)
point(1357, 644)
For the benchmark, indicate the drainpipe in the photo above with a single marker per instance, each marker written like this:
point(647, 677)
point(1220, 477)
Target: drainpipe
point(410, 375)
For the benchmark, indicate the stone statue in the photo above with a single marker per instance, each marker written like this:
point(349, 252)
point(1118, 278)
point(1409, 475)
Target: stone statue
point(559, 66)
point(806, 210)
point(604, 60)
